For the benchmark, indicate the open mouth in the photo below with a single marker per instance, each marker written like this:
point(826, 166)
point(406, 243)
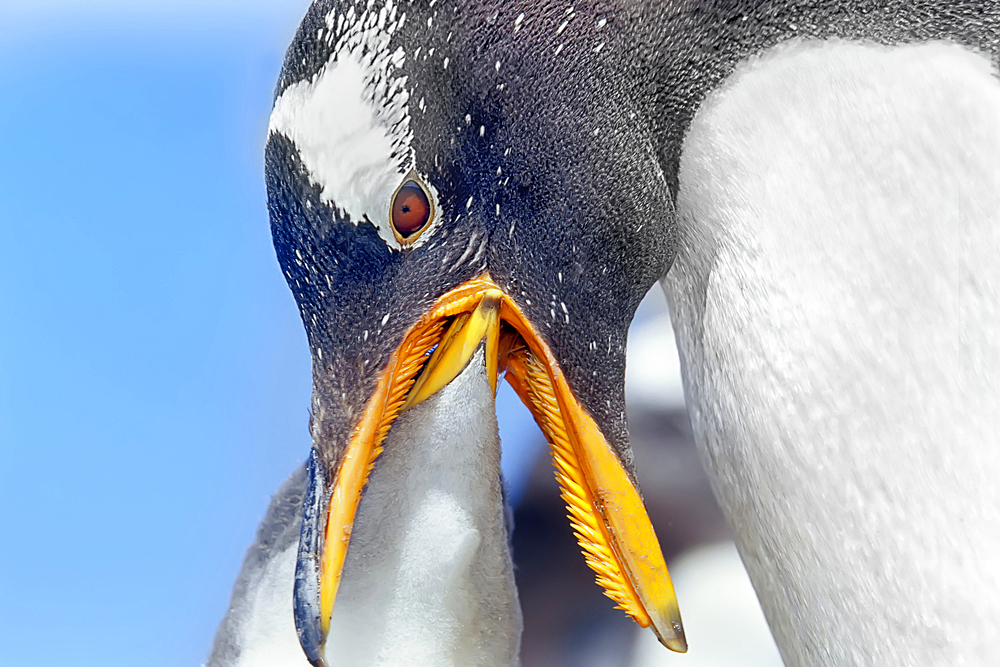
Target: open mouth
point(606, 511)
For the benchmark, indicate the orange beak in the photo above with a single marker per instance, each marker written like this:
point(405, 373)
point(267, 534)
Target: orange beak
point(605, 508)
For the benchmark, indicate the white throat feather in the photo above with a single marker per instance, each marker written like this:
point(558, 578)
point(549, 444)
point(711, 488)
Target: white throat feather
point(428, 578)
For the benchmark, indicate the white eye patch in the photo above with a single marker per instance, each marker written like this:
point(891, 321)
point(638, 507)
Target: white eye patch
point(351, 122)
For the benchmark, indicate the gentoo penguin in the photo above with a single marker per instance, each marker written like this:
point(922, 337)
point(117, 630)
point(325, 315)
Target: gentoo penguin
point(460, 191)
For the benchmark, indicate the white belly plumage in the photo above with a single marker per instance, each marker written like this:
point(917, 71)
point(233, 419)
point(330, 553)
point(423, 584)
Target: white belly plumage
point(837, 307)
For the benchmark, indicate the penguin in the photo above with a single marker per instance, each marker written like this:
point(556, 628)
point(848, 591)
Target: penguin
point(461, 193)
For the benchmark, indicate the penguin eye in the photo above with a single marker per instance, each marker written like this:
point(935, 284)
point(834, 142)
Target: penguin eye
point(411, 211)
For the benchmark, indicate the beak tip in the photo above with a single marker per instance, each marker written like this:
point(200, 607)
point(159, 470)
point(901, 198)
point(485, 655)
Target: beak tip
point(676, 644)
point(670, 632)
point(674, 640)
point(306, 592)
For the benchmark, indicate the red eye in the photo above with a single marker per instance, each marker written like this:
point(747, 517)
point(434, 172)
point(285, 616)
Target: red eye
point(410, 209)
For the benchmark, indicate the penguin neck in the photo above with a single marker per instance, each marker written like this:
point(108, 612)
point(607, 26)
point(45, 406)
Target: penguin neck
point(428, 578)
point(834, 298)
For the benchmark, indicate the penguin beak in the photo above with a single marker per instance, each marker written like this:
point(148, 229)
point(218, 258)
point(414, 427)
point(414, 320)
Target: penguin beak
point(605, 508)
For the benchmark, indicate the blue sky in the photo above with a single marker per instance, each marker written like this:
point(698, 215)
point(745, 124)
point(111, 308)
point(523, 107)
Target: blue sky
point(153, 373)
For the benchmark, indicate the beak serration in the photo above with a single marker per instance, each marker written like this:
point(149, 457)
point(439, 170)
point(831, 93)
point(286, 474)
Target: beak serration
point(605, 509)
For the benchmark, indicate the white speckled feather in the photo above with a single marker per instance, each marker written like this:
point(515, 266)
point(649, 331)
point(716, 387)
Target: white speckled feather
point(351, 122)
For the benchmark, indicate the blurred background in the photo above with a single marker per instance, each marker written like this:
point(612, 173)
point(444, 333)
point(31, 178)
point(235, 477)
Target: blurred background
point(154, 374)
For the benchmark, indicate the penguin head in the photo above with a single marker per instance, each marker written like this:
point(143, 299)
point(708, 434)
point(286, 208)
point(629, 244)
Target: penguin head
point(437, 172)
